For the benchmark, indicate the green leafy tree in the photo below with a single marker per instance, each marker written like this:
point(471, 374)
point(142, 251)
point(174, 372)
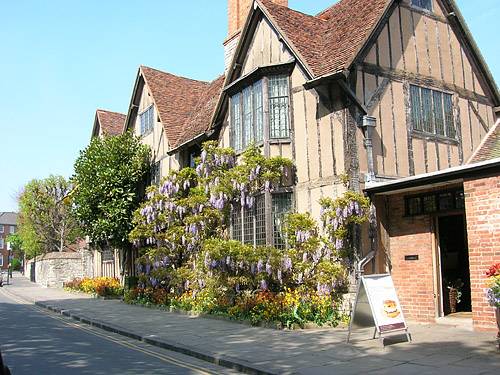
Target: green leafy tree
point(46, 218)
point(16, 245)
point(109, 179)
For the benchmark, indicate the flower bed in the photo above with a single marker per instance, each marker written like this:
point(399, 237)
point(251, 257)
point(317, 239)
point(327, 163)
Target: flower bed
point(289, 309)
point(100, 286)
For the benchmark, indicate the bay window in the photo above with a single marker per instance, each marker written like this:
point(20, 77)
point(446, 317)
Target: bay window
point(247, 112)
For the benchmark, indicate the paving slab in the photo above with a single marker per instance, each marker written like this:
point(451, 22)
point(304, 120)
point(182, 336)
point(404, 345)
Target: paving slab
point(435, 349)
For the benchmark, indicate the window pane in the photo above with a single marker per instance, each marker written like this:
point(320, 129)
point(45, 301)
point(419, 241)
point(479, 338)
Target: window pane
point(429, 202)
point(278, 107)
point(151, 113)
point(459, 200)
point(236, 223)
point(427, 110)
point(248, 128)
point(424, 4)
point(438, 112)
point(248, 228)
point(413, 206)
point(260, 222)
point(259, 121)
point(416, 108)
point(448, 116)
point(282, 204)
point(445, 201)
point(236, 122)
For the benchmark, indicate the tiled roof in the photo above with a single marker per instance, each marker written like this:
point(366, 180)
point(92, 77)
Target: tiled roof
point(9, 218)
point(489, 147)
point(329, 41)
point(199, 121)
point(111, 122)
point(176, 99)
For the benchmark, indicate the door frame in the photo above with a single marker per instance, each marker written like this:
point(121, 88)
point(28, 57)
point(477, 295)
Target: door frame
point(438, 273)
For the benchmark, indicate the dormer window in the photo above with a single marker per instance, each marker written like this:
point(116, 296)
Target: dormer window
point(422, 4)
point(247, 112)
point(147, 119)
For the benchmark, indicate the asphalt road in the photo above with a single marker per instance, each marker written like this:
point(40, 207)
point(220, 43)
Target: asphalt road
point(35, 342)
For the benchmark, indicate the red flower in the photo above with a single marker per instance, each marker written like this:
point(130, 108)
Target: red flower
point(494, 270)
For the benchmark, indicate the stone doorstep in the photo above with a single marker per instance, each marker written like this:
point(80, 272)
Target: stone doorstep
point(224, 361)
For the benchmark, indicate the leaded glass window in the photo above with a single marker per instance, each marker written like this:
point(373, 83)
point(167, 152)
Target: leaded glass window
point(423, 4)
point(236, 122)
point(236, 226)
point(247, 116)
point(434, 202)
point(247, 112)
point(282, 205)
point(147, 120)
point(278, 107)
point(248, 225)
point(432, 112)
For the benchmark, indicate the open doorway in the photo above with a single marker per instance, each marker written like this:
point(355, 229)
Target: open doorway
point(454, 265)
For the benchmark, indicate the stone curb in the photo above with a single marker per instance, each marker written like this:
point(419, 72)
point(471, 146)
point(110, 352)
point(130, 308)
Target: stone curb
point(224, 361)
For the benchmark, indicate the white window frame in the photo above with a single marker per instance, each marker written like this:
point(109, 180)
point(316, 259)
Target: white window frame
point(1, 260)
point(2, 228)
point(2, 243)
point(12, 229)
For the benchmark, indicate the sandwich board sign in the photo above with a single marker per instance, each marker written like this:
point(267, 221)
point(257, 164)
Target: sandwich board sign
point(377, 304)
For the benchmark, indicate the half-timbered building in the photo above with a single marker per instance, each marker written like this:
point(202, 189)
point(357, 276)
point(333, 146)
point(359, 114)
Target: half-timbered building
point(367, 92)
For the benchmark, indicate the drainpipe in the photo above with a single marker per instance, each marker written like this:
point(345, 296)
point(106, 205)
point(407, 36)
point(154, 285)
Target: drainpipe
point(368, 127)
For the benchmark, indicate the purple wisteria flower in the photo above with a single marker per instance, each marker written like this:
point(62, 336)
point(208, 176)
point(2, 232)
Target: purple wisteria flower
point(263, 285)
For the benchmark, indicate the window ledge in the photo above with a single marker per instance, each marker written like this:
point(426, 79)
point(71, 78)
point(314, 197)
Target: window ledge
point(434, 137)
point(276, 141)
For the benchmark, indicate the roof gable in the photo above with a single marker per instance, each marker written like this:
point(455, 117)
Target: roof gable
point(175, 99)
point(200, 120)
point(329, 42)
point(110, 123)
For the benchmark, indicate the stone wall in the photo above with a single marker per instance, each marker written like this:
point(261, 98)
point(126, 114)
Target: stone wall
point(482, 202)
point(54, 269)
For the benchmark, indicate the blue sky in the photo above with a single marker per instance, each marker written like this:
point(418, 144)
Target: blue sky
point(63, 59)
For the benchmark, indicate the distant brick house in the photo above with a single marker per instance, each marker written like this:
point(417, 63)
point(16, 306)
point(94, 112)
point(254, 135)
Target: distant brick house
point(8, 225)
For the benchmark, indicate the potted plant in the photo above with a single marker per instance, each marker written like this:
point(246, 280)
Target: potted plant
point(493, 292)
point(454, 294)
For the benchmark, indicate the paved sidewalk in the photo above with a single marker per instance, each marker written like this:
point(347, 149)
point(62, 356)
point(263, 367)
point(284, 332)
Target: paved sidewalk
point(435, 349)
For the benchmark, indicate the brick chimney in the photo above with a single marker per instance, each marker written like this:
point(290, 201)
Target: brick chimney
point(238, 11)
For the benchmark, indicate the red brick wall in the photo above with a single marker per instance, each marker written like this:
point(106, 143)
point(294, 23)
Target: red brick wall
point(482, 202)
point(413, 279)
point(238, 11)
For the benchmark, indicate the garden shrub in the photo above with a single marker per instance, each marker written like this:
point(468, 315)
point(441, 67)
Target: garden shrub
point(188, 262)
